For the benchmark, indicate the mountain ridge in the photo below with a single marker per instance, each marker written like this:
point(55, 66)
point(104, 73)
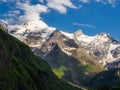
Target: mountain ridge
point(91, 53)
point(97, 42)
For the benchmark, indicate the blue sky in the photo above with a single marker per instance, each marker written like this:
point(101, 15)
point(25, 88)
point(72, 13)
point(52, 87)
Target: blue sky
point(92, 16)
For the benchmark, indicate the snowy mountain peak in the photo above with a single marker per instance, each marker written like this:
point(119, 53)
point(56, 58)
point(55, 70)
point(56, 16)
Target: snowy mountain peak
point(31, 26)
point(78, 33)
point(33, 29)
point(105, 35)
point(80, 37)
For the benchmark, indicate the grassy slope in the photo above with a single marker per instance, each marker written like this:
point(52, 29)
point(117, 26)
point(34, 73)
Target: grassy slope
point(77, 69)
point(21, 70)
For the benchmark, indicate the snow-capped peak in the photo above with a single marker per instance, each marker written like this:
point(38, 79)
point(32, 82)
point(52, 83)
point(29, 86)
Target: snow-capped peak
point(78, 33)
point(80, 37)
point(104, 35)
point(31, 26)
point(39, 28)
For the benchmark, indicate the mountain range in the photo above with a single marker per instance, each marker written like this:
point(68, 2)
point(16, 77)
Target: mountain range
point(73, 57)
point(102, 46)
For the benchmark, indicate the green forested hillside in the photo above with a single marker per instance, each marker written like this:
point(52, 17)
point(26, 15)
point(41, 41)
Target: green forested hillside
point(106, 80)
point(20, 69)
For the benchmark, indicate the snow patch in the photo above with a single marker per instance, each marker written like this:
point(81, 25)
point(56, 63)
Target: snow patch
point(70, 35)
point(67, 52)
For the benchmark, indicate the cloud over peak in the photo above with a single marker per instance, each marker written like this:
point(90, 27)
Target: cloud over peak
point(27, 12)
point(31, 12)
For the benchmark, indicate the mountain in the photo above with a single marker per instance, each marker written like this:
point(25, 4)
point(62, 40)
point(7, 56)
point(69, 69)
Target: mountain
point(20, 69)
point(60, 50)
point(106, 80)
point(101, 46)
point(74, 57)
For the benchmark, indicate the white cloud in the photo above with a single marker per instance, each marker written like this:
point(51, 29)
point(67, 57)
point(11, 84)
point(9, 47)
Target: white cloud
point(112, 2)
point(12, 14)
point(42, 1)
point(84, 1)
point(60, 5)
point(101, 1)
point(13, 2)
point(31, 12)
point(4, 0)
point(16, 12)
point(84, 25)
point(24, 12)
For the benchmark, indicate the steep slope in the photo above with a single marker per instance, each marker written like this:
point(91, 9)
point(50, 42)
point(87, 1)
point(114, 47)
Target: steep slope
point(64, 53)
point(20, 69)
point(107, 80)
point(114, 64)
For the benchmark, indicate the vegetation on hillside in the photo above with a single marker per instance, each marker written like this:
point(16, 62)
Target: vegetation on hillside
point(106, 80)
point(77, 68)
point(20, 69)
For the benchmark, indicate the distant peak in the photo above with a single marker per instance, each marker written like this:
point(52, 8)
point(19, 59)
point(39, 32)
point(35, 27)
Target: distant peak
point(107, 35)
point(79, 32)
